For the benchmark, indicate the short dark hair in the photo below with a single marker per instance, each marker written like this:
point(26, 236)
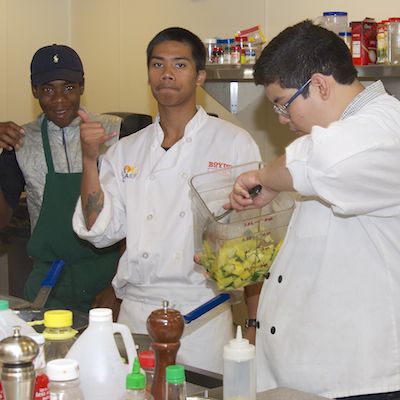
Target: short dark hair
point(180, 35)
point(301, 50)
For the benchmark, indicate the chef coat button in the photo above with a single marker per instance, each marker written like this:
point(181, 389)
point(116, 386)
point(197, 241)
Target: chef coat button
point(149, 217)
point(188, 140)
point(152, 177)
point(184, 175)
point(273, 330)
point(280, 278)
point(182, 214)
point(267, 275)
point(145, 255)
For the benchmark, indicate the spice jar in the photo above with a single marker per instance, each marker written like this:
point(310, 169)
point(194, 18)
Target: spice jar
point(209, 44)
point(346, 36)
point(394, 40)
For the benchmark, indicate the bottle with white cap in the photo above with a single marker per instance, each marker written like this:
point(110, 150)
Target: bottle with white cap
point(239, 379)
point(64, 380)
point(102, 370)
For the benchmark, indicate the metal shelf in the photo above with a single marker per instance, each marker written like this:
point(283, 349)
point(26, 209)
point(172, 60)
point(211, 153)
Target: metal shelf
point(229, 72)
point(243, 73)
point(233, 87)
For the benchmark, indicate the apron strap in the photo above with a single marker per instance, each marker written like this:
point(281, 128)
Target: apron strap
point(46, 146)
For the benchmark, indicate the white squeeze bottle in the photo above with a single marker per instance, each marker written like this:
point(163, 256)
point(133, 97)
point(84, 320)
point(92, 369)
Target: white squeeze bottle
point(239, 379)
point(102, 371)
point(8, 320)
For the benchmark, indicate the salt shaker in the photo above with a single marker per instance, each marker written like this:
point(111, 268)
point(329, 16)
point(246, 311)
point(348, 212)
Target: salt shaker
point(18, 373)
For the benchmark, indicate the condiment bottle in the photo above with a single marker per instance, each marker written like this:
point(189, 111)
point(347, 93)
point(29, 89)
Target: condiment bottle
point(58, 333)
point(136, 385)
point(147, 363)
point(18, 374)
point(41, 387)
point(176, 382)
point(239, 378)
point(64, 380)
point(165, 327)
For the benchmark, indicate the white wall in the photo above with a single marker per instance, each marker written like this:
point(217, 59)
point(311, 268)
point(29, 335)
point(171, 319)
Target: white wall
point(111, 37)
point(278, 16)
point(24, 27)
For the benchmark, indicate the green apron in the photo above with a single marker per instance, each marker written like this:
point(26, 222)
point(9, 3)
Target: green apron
point(87, 270)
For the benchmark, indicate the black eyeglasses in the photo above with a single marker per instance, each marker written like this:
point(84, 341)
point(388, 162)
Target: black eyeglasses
point(283, 110)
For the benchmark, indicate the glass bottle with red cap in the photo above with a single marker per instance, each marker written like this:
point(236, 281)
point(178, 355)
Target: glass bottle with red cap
point(147, 363)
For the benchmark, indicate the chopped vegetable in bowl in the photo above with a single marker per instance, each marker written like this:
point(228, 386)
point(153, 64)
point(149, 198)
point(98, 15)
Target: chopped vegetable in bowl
point(241, 261)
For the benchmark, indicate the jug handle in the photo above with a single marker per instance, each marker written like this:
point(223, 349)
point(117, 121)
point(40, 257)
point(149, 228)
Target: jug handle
point(128, 342)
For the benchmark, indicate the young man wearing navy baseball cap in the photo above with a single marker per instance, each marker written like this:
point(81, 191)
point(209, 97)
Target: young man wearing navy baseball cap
point(48, 153)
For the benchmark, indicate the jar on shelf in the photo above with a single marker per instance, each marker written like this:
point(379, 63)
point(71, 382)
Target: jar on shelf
point(394, 40)
point(209, 44)
point(235, 54)
point(242, 42)
point(335, 21)
point(382, 42)
point(346, 36)
point(228, 49)
point(218, 53)
point(250, 53)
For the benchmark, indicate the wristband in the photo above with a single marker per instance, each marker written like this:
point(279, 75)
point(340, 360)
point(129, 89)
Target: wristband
point(250, 323)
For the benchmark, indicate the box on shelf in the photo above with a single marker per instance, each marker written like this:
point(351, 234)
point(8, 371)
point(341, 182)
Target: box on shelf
point(364, 41)
point(239, 249)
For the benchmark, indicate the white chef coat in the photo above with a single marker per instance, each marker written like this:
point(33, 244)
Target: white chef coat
point(330, 310)
point(147, 200)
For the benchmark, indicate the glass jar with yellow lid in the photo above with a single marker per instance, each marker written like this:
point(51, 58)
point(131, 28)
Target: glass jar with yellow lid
point(58, 333)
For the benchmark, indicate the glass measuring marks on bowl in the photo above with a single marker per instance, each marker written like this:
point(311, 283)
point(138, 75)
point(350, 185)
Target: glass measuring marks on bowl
point(252, 192)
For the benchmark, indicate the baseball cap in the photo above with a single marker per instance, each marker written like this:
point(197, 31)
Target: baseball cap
point(56, 62)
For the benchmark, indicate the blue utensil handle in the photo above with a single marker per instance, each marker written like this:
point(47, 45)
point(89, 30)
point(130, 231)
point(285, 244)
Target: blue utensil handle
point(209, 305)
point(53, 274)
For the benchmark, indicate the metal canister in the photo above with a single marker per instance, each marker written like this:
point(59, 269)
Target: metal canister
point(18, 373)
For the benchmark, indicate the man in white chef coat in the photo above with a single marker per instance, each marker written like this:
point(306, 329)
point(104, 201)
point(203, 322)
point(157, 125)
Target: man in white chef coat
point(329, 312)
point(142, 194)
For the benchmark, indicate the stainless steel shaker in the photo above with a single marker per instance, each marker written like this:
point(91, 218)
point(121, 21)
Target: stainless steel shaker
point(18, 373)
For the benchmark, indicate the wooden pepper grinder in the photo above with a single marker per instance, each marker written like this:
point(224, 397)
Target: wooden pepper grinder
point(165, 327)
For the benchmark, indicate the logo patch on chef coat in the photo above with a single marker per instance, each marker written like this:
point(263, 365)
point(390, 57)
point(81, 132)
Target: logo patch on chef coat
point(129, 172)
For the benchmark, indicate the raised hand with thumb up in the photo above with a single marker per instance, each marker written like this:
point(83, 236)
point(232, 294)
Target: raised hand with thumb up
point(92, 136)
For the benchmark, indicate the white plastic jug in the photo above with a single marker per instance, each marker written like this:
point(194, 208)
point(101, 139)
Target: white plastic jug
point(102, 371)
point(8, 320)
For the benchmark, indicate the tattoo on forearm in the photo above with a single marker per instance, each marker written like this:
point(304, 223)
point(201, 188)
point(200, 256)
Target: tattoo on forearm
point(95, 202)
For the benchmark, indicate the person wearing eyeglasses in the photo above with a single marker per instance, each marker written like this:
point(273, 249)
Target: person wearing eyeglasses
point(329, 310)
